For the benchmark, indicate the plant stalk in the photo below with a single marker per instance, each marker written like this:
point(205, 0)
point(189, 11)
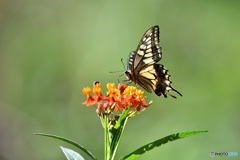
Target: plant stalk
point(106, 138)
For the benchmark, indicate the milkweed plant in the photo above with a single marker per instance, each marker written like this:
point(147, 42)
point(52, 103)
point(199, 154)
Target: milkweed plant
point(114, 110)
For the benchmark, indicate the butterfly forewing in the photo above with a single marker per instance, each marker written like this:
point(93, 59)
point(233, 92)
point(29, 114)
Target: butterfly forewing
point(148, 50)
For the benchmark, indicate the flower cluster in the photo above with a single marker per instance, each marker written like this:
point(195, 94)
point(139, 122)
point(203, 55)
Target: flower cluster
point(116, 99)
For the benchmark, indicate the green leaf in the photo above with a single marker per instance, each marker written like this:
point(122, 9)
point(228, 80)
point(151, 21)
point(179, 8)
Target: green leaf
point(159, 142)
point(122, 118)
point(70, 142)
point(117, 131)
point(71, 155)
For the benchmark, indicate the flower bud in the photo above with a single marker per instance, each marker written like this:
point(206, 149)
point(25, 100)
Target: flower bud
point(105, 105)
point(99, 109)
point(116, 117)
point(121, 87)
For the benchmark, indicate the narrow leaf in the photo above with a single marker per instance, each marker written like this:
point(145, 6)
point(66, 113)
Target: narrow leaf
point(71, 155)
point(122, 118)
point(159, 142)
point(116, 132)
point(70, 142)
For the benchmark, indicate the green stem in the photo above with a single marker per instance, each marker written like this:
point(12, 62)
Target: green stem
point(106, 138)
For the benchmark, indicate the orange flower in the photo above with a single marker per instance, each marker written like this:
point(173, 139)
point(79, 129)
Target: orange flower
point(129, 91)
point(97, 91)
point(140, 100)
point(134, 97)
point(117, 99)
point(139, 94)
point(90, 99)
point(112, 93)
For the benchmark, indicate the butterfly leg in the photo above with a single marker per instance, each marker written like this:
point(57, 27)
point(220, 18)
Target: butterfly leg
point(119, 77)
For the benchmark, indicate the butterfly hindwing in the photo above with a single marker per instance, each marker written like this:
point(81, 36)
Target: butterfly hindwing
point(163, 82)
point(156, 76)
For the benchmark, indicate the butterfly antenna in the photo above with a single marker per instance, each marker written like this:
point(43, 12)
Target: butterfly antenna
point(115, 71)
point(123, 64)
point(119, 71)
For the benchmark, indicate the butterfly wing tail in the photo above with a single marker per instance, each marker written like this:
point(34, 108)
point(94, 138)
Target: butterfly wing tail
point(163, 82)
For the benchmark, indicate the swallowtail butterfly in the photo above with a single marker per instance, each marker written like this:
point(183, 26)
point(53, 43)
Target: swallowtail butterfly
point(142, 68)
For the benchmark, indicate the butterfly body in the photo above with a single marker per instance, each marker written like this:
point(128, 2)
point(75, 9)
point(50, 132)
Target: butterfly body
point(142, 68)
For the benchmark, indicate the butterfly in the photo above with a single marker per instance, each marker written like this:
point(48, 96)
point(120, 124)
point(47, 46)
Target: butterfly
point(142, 68)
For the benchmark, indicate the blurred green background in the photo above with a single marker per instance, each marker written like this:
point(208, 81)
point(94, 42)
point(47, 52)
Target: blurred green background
point(50, 50)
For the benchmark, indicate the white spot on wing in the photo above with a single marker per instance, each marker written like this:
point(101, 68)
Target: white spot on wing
point(167, 82)
point(149, 46)
point(148, 60)
point(140, 53)
point(142, 46)
point(149, 50)
point(168, 88)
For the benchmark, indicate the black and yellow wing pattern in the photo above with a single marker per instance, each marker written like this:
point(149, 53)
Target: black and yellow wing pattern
point(142, 68)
